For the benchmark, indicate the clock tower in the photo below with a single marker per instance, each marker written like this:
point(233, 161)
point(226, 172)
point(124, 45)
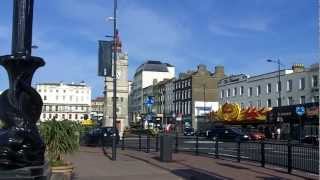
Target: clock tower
point(122, 91)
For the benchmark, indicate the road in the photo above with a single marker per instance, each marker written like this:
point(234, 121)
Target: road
point(303, 157)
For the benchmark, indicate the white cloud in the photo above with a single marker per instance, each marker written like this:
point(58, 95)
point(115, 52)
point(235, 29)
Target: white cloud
point(238, 26)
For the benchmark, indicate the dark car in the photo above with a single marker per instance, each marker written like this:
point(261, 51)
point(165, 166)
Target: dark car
point(101, 136)
point(255, 134)
point(188, 132)
point(201, 133)
point(227, 133)
point(314, 140)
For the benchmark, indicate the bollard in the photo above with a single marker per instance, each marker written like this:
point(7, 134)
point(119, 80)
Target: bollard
point(262, 150)
point(122, 144)
point(238, 151)
point(216, 148)
point(197, 145)
point(157, 143)
point(177, 143)
point(289, 157)
point(148, 143)
point(139, 142)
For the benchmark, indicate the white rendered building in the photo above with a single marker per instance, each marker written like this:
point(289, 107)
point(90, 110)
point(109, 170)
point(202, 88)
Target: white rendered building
point(298, 85)
point(147, 74)
point(64, 101)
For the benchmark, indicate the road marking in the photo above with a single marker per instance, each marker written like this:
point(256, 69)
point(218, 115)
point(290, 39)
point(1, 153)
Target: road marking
point(202, 142)
point(230, 155)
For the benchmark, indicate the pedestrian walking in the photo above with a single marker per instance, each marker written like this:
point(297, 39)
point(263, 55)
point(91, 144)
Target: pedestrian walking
point(278, 133)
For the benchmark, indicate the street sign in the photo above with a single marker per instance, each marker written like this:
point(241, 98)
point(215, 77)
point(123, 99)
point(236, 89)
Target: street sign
point(149, 101)
point(300, 110)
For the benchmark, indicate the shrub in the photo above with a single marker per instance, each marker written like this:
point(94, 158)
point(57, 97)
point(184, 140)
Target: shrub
point(60, 137)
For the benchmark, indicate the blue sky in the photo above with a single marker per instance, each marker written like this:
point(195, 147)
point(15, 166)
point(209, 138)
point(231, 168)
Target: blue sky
point(240, 35)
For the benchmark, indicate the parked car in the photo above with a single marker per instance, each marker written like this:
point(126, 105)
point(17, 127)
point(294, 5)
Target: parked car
point(201, 133)
point(101, 135)
point(314, 140)
point(256, 135)
point(227, 133)
point(188, 132)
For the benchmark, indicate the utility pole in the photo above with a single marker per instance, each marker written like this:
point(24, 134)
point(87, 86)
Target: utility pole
point(115, 34)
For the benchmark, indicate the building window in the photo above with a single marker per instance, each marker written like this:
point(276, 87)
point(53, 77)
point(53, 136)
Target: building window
point(228, 93)
point(241, 90)
point(222, 93)
point(50, 116)
point(44, 116)
point(259, 103)
point(290, 101)
point(278, 86)
point(70, 116)
point(315, 99)
point(302, 83)
point(39, 90)
point(56, 108)
point(57, 90)
point(50, 108)
point(242, 105)
point(250, 91)
point(235, 91)
point(279, 102)
point(44, 98)
point(70, 98)
point(258, 90)
point(250, 103)
point(63, 116)
point(269, 103)
point(315, 81)
point(289, 85)
point(269, 88)
point(302, 100)
point(57, 97)
point(76, 116)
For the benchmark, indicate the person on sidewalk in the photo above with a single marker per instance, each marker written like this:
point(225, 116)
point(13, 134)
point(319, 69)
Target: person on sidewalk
point(278, 133)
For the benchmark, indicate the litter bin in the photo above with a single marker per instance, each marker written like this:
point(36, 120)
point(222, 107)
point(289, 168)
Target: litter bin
point(166, 148)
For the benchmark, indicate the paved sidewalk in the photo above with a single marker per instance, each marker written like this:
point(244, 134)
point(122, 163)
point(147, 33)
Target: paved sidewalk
point(91, 164)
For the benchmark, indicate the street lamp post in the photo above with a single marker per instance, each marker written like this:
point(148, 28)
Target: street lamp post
point(279, 82)
point(279, 88)
point(20, 104)
point(204, 99)
point(114, 148)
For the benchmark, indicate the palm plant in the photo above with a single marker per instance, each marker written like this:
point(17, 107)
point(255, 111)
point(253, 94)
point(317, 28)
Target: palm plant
point(60, 137)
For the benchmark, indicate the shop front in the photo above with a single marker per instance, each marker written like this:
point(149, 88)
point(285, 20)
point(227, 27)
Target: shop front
point(300, 120)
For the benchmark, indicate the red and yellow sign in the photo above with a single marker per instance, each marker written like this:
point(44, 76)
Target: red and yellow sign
point(232, 112)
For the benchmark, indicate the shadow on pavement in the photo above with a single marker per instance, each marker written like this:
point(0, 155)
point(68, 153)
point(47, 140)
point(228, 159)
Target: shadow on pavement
point(192, 174)
point(232, 166)
point(271, 178)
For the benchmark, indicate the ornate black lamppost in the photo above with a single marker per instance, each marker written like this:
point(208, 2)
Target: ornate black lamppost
point(21, 146)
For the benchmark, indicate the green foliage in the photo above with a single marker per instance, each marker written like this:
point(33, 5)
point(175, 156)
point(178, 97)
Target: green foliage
point(60, 137)
point(1, 124)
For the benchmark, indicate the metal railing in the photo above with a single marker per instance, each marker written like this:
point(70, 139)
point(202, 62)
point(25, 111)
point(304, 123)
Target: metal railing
point(287, 155)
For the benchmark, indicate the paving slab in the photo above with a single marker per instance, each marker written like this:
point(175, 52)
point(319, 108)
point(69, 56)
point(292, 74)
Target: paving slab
point(92, 164)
